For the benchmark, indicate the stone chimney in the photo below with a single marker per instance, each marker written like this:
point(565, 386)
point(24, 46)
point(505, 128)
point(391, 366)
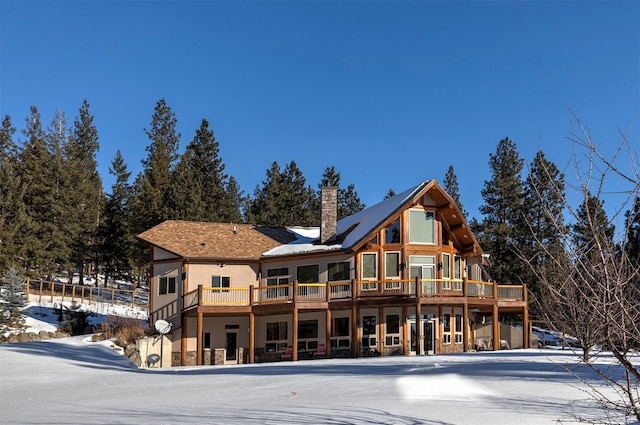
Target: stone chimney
point(329, 213)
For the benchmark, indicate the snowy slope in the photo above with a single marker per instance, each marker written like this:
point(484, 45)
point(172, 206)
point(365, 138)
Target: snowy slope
point(74, 381)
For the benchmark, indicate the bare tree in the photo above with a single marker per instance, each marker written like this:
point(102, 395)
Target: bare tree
point(590, 288)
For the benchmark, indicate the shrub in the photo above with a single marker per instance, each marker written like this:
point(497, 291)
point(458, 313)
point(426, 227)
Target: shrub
point(124, 330)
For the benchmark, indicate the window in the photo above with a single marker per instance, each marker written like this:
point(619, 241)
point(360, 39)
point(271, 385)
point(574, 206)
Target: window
point(307, 335)
point(339, 271)
point(446, 266)
point(392, 232)
point(458, 328)
point(392, 335)
point(392, 269)
point(206, 337)
point(276, 277)
point(308, 274)
point(457, 272)
point(446, 271)
point(446, 324)
point(423, 267)
point(340, 332)
point(421, 226)
point(369, 270)
point(369, 266)
point(369, 332)
point(221, 282)
point(167, 285)
point(276, 336)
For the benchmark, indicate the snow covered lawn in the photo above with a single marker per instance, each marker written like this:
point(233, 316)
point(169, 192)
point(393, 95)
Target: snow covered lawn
point(74, 381)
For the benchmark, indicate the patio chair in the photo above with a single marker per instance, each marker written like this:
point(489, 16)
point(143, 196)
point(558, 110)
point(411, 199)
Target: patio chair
point(321, 352)
point(288, 354)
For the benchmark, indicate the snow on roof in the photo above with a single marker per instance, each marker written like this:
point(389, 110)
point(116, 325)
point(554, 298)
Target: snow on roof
point(361, 224)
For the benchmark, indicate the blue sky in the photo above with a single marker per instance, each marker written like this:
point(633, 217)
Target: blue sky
point(390, 93)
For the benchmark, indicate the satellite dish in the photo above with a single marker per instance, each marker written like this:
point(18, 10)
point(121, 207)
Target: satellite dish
point(163, 327)
point(153, 359)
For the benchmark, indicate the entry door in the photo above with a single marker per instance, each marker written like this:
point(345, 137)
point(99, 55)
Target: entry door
point(427, 342)
point(231, 346)
point(423, 267)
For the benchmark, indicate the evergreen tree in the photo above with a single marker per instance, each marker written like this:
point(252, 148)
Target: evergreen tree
point(389, 194)
point(502, 210)
point(348, 200)
point(12, 299)
point(592, 228)
point(115, 236)
point(544, 193)
point(152, 191)
point(36, 165)
point(632, 225)
point(85, 195)
point(283, 200)
point(63, 223)
point(451, 187)
point(12, 210)
point(237, 200)
point(200, 184)
point(154, 204)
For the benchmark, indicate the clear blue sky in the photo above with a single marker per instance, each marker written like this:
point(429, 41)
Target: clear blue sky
point(390, 93)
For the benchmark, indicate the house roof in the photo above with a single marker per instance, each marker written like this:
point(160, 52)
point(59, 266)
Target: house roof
point(190, 239)
point(219, 241)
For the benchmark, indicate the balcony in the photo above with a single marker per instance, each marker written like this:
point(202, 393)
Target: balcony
point(354, 290)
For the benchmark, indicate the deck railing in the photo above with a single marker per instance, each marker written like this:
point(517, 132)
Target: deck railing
point(317, 292)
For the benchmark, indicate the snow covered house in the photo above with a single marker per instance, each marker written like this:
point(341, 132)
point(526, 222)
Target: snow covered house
point(402, 277)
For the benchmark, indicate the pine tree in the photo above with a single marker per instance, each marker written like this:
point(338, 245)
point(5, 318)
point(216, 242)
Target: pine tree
point(12, 209)
point(12, 299)
point(85, 194)
point(389, 194)
point(502, 210)
point(115, 236)
point(451, 187)
point(152, 203)
point(632, 224)
point(592, 228)
point(200, 185)
point(63, 223)
point(544, 193)
point(36, 165)
point(348, 200)
point(283, 200)
point(155, 191)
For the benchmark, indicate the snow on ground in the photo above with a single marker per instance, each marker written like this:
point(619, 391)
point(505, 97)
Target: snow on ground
point(75, 381)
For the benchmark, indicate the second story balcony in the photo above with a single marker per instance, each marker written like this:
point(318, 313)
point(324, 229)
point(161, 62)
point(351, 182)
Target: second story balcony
point(428, 290)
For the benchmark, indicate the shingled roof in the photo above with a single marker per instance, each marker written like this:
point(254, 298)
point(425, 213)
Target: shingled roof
point(190, 239)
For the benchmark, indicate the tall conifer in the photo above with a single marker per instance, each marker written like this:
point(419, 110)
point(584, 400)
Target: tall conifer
point(451, 187)
point(502, 210)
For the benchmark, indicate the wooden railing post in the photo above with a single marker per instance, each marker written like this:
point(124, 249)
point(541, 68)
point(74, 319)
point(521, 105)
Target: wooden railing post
point(295, 294)
point(328, 294)
point(200, 295)
point(355, 289)
point(251, 295)
point(418, 287)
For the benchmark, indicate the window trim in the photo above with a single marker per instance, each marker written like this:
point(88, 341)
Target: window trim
point(392, 339)
point(432, 214)
point(170, 285)
point(375, 266)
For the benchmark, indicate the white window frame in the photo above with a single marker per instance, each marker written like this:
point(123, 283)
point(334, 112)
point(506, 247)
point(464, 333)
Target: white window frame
point(340, 341)
point(458, 266)
point(446, 271)
point(457, 327)
point(170, 285)
point(221, 282)
point(397, 276)
point(446, 334)
point(392, 339)
point(277, 344)
point(413, 238)
point(369, 286)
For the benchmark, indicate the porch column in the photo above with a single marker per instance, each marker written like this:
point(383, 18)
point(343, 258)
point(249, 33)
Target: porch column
point(294, 356)
point(252, 328)
point(355, 338)
point(418, 314)
point(418, 329)
point(465, 327)
point(328, 334)
point(525, 319)
point(405, 332)
point(496, 328)
point(183, 342)
point(381, 333)
point(199, 346)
